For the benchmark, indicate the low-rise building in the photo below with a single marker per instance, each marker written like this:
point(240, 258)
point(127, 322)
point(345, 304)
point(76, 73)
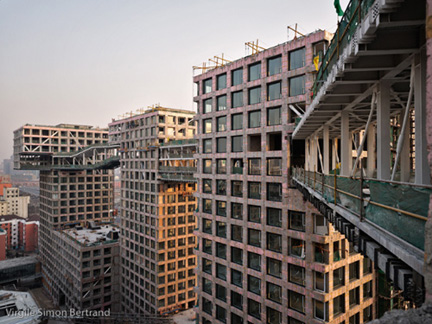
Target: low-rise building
point(20, 271)
point(89, 266)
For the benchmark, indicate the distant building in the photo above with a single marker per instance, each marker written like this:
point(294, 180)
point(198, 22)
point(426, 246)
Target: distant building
point(7, 166)
point(21, 233)
point(12, 203)
point(5, 182)
point(89, 266)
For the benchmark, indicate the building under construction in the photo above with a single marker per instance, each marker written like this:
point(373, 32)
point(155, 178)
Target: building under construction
point(76, 189)
point(265, 254)
point(157, 206)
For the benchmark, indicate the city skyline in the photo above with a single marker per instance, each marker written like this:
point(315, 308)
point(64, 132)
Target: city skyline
point(101, 59)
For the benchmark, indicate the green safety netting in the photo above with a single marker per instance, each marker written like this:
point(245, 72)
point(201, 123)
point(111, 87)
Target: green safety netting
point(353, 187)
point(406, 198)
point(329, 192)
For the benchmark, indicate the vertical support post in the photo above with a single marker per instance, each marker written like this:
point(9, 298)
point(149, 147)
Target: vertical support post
point(371, 154)
point(322, 184)
point(335, 188)
point(361, 194)
point(314, 153)
point(346, 145)
point(314, 179)
point(307, 157)
point(422, 170)
point(326, 154)
point(383, 132)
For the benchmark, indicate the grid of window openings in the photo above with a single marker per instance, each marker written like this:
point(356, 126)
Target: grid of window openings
point(157, 221)
point(265, 255)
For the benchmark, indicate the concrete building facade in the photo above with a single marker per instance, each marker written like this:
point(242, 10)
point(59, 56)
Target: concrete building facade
point(156, 210)
point(90, 265)
point(265, 254)
point(76, 185)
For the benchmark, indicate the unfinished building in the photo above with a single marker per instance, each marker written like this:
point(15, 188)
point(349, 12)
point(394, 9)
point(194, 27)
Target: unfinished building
point(76, 186)
point(157, 205)
point(90, 266)
point(265, 254)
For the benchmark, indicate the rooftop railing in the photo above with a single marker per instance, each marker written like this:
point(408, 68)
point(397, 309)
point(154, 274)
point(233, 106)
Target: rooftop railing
point(397, 207)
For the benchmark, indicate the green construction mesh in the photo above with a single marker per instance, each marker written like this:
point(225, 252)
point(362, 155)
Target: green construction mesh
point(353, 187)
point(329, 192)
point(406, 198)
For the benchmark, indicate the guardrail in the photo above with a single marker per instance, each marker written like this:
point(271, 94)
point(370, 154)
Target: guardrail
point(109, 162)
point(86, 148)
point(177, 156)
point(164, 168)
point(180, 142)
point(397, 207)
point(177, 177)
point(353, 15)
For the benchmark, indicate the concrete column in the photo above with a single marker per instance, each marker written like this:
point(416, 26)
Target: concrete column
point(383, 131)
point(346, 145)
point(428, 131)
point(313, 148)
point(405, 167)
point(371, 151)
point(422, 171)
point(326, 151)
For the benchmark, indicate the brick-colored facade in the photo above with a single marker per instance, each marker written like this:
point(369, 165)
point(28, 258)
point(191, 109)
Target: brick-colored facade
point(265, 254)
point(156, 212)
point(22, 233)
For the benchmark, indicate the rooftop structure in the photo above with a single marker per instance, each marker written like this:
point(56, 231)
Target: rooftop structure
point(156, 210)
point(91, 236)
point(265, 254)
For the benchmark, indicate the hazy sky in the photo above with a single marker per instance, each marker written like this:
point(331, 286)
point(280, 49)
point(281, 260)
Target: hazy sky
point(87, 61)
